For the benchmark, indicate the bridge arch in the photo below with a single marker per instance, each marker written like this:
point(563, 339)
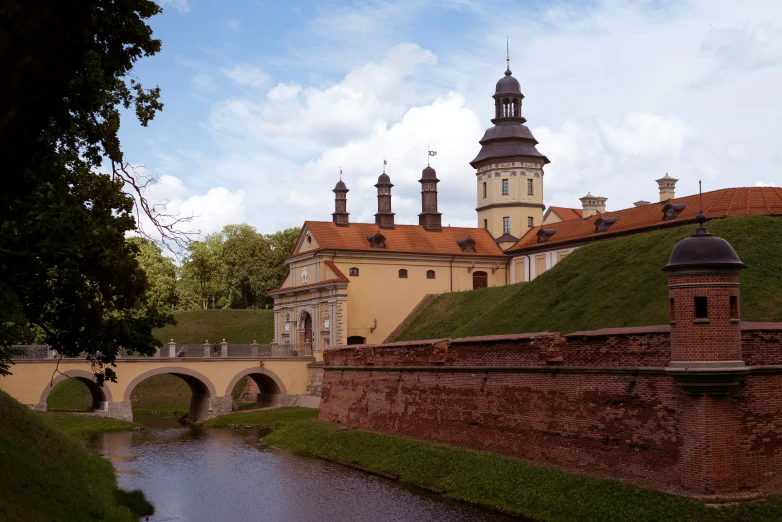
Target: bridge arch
point(101, 395)
point(269, 383)
point(202, 391)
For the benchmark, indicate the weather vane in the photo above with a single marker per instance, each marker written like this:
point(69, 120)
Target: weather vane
point(340, 172)
point(430, 153)
point(384, 164)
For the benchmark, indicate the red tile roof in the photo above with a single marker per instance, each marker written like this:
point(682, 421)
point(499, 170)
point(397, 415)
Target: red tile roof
point(716, 204)
point(566, 214)
point(402, 239)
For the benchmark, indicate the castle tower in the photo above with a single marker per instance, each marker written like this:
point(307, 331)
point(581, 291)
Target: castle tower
point(340, 215)
point(509, 169)
point(703, 296)
point(429, 217)
point(384, 217)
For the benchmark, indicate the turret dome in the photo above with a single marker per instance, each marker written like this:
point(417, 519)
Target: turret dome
point(508, 84)
point(702, 249)
point(428, 174)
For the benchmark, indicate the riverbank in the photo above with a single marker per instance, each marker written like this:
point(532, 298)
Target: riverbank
point(489, 480)
point(46, 473)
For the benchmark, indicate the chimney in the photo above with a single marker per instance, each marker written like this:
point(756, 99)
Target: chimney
point(641, 203)
point(384, 218)
point(340, 215)
point(429, 218)
point(592, 205)
point(667, 186)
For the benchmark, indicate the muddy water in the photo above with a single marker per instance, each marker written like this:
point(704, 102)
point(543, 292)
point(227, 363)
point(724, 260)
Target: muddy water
point(196, 474)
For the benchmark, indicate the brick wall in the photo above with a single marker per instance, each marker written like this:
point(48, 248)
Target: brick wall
point(593, 402)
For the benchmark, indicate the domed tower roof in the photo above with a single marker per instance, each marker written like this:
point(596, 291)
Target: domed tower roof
point(703, 250)
point(508, 85)
point(428, 174)
point(509, 136)
point(340, 187)
point(383, 179)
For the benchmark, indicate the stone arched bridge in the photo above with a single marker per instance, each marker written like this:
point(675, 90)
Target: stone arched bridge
point(211, 373)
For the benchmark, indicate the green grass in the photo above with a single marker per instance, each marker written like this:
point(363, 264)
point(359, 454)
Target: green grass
point(81, 426)
point(48, 475)
point(609, 284)
point(235, 326)
point(489, 480)
point(69, 395)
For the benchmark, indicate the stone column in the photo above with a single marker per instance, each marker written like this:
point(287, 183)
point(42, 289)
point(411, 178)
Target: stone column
point(207, 349)
point(171, 348)
point(223, 349)
point(254, 349)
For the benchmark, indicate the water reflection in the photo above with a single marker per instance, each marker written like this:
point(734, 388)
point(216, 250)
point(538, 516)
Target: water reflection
point(197, 474)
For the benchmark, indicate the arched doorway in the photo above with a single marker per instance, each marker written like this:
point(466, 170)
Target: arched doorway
point(308, 329)
point(356, 339)
point(480, 280)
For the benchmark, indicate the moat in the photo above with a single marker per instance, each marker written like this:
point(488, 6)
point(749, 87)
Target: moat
point(205, 474)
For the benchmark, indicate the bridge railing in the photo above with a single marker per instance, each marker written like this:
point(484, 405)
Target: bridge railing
point(206, 350)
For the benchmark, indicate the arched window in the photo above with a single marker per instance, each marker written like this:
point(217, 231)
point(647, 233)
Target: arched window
point(402, 273)
point(430, 274)
point(354, 271)
point(515, 107)
point(505, 107)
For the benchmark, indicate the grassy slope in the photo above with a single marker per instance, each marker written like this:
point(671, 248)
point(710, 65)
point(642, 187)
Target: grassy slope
point(47, 475)
point(489, 480)
point(235, 326)
point(610, 284)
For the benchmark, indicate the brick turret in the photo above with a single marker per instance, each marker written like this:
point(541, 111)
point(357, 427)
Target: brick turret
point(703, 294)
point(341, 214)
point(429, 217)
point(384, 218)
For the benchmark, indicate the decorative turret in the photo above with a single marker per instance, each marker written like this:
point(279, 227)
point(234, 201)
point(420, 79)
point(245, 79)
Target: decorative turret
point(429, 217)
point(667, 186)
point(703, 295)
point(340, 215)
point(384, 218)
point(508, 168)
point(592, 205)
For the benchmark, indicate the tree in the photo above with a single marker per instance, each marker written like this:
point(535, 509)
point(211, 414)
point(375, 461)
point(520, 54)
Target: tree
point(65, 264)
point(160, 272)
point(201, 266)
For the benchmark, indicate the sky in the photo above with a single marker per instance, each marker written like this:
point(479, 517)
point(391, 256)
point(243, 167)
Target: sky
point(265, 101)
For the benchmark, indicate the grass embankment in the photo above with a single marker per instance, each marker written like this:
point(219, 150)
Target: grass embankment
point(609, 284)
point(48, 475)
point(235, 326)
point(489, 480)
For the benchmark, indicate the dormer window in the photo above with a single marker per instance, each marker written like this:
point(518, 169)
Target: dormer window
point(603, 223)
point(671, 211)
point(544, 234)
point(377, 240)
point(467, 244)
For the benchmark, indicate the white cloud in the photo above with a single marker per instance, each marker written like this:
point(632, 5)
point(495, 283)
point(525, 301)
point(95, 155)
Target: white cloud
point(298, 119)
point(248, 75)
point(232, 24)
point(764, 184)
point(180, 5)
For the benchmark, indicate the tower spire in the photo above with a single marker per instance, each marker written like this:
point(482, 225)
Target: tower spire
point(507, 52)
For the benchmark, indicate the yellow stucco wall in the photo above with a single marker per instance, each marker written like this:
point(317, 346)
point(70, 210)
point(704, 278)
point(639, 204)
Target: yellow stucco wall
point(517, 173)
point(379, 293)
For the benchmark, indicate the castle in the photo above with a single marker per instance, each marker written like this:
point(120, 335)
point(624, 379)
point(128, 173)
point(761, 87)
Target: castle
point(355, 283)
